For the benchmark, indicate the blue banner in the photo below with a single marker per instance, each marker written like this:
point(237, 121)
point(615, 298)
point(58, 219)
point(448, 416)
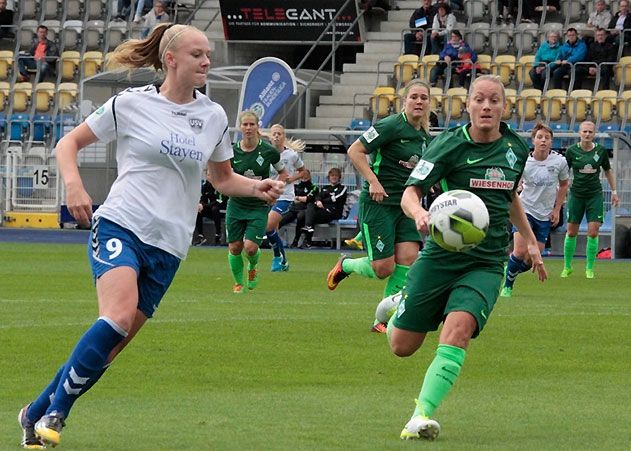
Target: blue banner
point(267, 84)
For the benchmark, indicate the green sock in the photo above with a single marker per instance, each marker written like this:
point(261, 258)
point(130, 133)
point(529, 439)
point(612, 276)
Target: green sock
point(396, 280)
point(359, 266)
point(569, 247)
point(359, 236)
point(591, 249)
point(253, 260)
point(236, 266)
point(440, 377)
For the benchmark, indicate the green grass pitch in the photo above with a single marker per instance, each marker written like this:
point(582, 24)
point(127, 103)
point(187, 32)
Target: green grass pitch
point(292, 366)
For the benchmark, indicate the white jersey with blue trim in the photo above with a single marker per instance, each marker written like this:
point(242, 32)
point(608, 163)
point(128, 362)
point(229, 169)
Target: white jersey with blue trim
point(292, 162)
point(162, 149)
point(540, 183)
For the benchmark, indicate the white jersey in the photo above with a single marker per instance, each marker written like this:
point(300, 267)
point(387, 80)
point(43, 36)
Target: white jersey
point(540, 183)
point(161, 150)
point(292, 162)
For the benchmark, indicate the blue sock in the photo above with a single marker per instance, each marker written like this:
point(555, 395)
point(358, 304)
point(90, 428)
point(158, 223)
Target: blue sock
point(86, 363)
point(274, 241)
point(38, 407)
point(514, 267)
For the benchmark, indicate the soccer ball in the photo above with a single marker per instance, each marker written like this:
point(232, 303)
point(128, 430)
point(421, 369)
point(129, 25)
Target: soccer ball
point(458, 220)
point(387, 307)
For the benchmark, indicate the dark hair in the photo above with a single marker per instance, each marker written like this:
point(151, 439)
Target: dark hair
point(571, 29)
point(457, 33)
point(43, 27)
point(444, 6)
point(336, 171)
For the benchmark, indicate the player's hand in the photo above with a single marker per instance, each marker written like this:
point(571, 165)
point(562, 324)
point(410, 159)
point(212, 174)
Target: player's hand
point(537, 261)
point(376, 191)
point(269, 190)
point(421, 219)
point(554, 217)
point(79, 204)
point(615, 200)
point(200, 207)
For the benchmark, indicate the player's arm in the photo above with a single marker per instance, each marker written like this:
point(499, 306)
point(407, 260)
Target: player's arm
point(297, 176)
point(611, 178)
point(411, 206)
point(231, 184)
point(78, 200)
point(519, 220)
point(564, 185)
point(357, 153)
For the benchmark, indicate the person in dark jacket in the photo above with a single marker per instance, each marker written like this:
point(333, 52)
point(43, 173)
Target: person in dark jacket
point(328, 205)
point(619, 22)
point(600, 51)
point(305, 194)
point(6, 21)
point(43, 53)
point(421, 19)
point(210, 205)
point(451, 53)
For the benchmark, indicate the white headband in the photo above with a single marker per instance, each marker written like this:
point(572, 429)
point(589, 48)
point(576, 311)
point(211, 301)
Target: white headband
point(170, 41)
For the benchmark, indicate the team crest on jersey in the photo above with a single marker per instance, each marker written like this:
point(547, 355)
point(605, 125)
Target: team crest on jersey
point(100, 110)
point(196, 124)
point(370, 135)
point(260, 160)
point(596, 157)
point(511, 157)
point(494, 178)
point(411, 163)
point(422, 170)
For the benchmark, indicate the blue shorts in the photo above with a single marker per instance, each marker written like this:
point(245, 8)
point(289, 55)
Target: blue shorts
point(112, 246)
point(282, 206)
point(541, 229)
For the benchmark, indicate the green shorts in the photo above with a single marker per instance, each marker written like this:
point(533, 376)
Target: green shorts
point(245, 222)
point(438, 285)
point(592, 207)
point(383, 226)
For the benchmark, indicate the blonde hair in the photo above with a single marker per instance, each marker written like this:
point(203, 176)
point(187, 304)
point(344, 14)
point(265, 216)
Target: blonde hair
point(149, 52)
point(297, 145)
point(492, 78)
point(406, 90)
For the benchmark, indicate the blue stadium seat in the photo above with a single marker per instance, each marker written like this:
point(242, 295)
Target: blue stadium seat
point(61, 122)
point(42, 126)
point(3, 125)
point(19, 126)
point(607, 143)
point(357, 125)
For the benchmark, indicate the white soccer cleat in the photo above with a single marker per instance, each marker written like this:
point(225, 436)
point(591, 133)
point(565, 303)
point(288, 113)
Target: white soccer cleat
point(420, 427)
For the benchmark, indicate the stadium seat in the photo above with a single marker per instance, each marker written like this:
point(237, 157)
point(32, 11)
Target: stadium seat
point(525, 38)
point(624, 108)
point(62, 124)
point(35, 155)
point(382, 100)
point(4, 94)
point(476, 10)
point(6, 63)
point(116, 33)
point(509, 107)
point(547, 27)
point(553, 103)
point(42, 127)
point(93, 35)
point(359, 125)
point(622, 72)
point(572, 10)
point(406, 68)
point(18, 126)
point(603, 105)
point(436, 99)
point(44, 96)
point(398, 100)
point(92, 63)
point(69, 64)
point(501, 40)
point(504, 67)
point(454, 103)
point(527, 103)
point(21, 96)
point(95, 9)
point(522, 69)
point(477, 36)
point(485, 64)
point(111, 65)
point(50, 8)
point(578, 103)
point(26, 33)
point(67, 95)
point(30, 9)
point(74, 10)
point(71, 34)
point(54, 29)
point(426, 65)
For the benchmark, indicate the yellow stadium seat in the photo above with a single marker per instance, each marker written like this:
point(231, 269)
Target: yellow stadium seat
point(454, 103)
point(504, 66)
point(522, 68)
point(6, 62)
point(406, 68)
point(509, 107)
point(381, 100)
point(110, 64)
point(436, 99)
point(67, 95)
point(603, 104)
point(578, 104)
point(426, 65)
point(44, 96)
point(527, 102)
point(92, 63)
point(624, 106)
point(69, 64)
point(552, 104)
point(21, 96)
point(623, 71)
point(4, 94)
point(485, 64)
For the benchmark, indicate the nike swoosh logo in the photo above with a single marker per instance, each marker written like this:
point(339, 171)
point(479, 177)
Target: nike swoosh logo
point(403, 141)
point(483, 314)
point(259, 237)
point(236, 161)
point(470, 161)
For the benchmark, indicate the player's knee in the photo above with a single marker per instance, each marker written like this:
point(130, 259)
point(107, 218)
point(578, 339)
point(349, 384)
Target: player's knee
point(383, 271)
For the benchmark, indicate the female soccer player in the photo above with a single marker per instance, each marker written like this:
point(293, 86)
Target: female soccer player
point(586, 159)
point(294, 166)
point(459, 289)
point(246, 217)
point(165, 136)
point(395, 145)
point(545, 182)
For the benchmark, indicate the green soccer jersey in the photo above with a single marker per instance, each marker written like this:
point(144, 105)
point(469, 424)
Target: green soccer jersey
point(254, 165)
point(395, 147)
point(489, 170)
point(586, 169)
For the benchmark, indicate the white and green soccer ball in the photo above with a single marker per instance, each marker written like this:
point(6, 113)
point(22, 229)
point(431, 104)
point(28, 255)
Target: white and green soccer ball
point(387, 307)
point(458, 220)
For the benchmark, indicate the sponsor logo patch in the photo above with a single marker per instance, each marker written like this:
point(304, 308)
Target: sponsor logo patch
point(370, 135)
point(422, 170)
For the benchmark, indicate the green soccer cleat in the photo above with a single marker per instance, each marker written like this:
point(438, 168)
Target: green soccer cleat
point(566, 272)
point(253, 279)
point(420, 427)
point(507, 292)
point(29, 439)
point(589, 274)
point(49, 427)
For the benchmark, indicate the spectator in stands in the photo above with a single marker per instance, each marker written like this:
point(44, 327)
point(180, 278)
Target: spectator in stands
point(305, 192)
point(444, 21)
point(328, 206)
point(466, 66)
point(143, 230)
point(44, 54)
point(619, 22)
point(421, 19)
point(572, 51)
point(600, 17)
point(6, 20)
point(600, 51)
point(506, 11)
point(449, 54)
point(532, 10)
point(547, 53)
point(154, 17)
point(210, 205)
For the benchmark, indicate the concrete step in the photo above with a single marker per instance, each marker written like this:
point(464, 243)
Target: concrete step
point(393, 26)
point(357, 99)
point(391, 47)
point(365, 78)
point(342, 111)
point(408, 4)
point(347, 90)
point(207, 14)
point(383, 36)
point(328, 123)
point(375, 58)
point(401, 15)
point(361, 67)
